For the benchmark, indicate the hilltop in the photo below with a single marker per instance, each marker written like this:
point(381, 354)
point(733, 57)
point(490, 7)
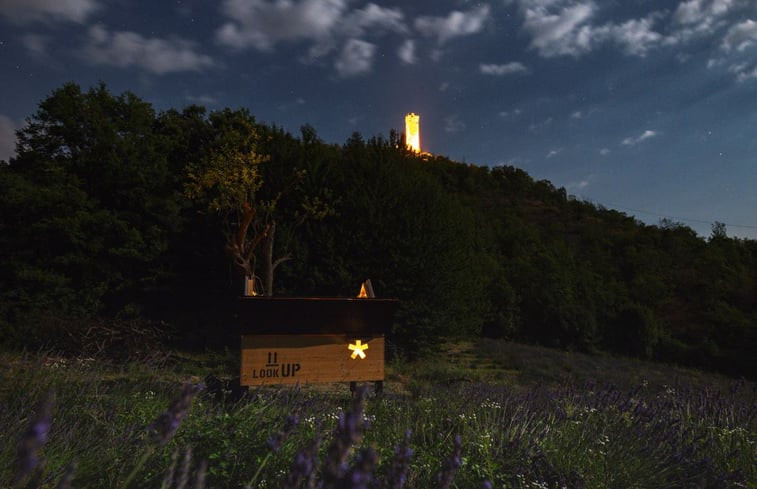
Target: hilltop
point(117, 217)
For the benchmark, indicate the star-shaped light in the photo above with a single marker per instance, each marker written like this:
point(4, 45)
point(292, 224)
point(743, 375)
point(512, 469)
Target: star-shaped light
point(358, 349)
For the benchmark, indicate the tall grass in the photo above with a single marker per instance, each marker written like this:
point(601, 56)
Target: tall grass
point(133, 425)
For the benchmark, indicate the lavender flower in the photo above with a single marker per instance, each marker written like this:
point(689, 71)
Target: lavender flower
point(276, 441)
point(303, 467)
point(27, 458)
point(348, 432)
point(398, 472)
point(361, 475)
point(168, 422)
point(451, 465)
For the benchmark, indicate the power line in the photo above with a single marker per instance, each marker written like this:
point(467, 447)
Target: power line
point(678, 218)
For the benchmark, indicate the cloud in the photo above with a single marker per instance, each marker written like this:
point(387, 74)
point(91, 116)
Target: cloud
point(635, 36)
point(262, 24)
point(202, 99)
point(697, 18)
point(323, 24)
point(747, 75)
point(541, 125)
point(514, 113)
point(564, 28)
point(580, 185)
point(436, 55)
point(24, 11)
point(406, 52)
point(373, 17)
point(741, 36)
point(513, 68)
point(128, 49)
point(558, 32)
point(456, 24)
point(604, 151)
point(36, 44)
point(453, 124)
point(356, 58)
point(743, 71)
point(644, 136)
point(701, 11)
point(7, 138)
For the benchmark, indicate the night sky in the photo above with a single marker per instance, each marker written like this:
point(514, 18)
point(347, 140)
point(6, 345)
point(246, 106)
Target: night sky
point(645, 106)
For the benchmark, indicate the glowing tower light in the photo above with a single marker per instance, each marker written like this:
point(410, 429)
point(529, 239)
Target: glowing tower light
point(413, 132)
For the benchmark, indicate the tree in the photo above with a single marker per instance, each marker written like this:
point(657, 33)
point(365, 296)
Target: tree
point(252, 192)
point(396, 224)
point(90, 205)
point(718, 231)
point(634, 331)
point(296, 191)
point(227, 181)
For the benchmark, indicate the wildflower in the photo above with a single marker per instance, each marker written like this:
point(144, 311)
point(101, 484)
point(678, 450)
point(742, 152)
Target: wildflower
point(303, 466)
point(361, 475)
point(34, 438)
point(489, 404)
point(451, 465)
point(168, 422)
point(348, 432)
point(274, 443)
point(403, 455)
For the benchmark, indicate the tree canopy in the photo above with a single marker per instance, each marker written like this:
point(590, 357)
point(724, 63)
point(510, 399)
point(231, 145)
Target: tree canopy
point(112, 210)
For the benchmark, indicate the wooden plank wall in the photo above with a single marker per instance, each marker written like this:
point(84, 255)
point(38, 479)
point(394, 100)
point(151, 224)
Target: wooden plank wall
point(303, 359)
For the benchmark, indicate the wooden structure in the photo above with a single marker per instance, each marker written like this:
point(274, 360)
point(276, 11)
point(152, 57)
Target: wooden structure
point(309, 340)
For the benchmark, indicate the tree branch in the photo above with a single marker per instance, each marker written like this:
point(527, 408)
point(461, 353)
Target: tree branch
point(281, 260)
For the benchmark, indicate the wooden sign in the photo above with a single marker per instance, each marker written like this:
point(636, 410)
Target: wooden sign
point(269, 359)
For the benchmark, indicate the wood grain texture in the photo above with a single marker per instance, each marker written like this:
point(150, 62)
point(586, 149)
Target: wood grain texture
point(304, 359)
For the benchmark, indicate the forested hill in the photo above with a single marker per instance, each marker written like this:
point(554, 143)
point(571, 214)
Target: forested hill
point(114, 213)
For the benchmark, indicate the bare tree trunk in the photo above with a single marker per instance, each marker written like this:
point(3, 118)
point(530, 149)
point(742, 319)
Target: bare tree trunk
point(240, 248)
point(267, 265)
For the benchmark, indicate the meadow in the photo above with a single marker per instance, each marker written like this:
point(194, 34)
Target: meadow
point(475, 415)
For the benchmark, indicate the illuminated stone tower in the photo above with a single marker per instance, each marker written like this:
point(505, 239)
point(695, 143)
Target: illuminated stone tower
point(413, 132)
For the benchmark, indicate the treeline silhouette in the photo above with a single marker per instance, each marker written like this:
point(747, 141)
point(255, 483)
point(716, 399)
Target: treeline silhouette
point(97, 223)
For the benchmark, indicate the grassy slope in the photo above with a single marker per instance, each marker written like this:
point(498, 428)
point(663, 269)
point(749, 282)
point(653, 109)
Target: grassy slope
point(518, 365)
point(494, 362)
point(509, 402)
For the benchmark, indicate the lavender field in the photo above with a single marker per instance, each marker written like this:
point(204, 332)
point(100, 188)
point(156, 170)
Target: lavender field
point(495, 415)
